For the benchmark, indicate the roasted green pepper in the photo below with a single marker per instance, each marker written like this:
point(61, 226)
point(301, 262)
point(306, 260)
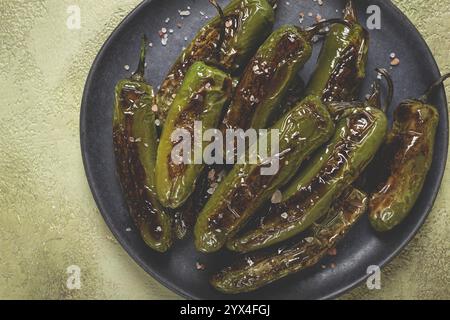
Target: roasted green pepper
point(248, 23)
point(269, 76)
point(202, 97)
point(244, 189)
point(252, 273)
point(134, 137)
point(342, 61)
point(407, 155)
point(359, 134)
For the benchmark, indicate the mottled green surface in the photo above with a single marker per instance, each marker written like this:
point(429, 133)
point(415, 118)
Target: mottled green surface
point(49, 220)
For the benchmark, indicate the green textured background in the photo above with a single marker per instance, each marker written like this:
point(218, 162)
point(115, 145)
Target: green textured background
point(48, 218)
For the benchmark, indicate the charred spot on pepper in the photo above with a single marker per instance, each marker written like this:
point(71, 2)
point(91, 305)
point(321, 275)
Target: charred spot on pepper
point(289, 45)
point(241, 197)
point(129, 96)
point(196, 104)
point(258, 78)
point(204, 46)
point(403, 113)
point(344, 76)
point(175, 170)
point(200, 49)
point(186, 120)
point(413, 114)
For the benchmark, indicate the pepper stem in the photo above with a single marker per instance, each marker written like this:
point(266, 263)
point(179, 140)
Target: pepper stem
point(427, 94)
point(316, 28)
point(139, 74)
point(222, 27)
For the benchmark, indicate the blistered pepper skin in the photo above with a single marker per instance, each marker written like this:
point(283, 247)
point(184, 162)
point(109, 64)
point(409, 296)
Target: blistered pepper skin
point(134, 138)
point(407, 155)
point(252, 273)
point(244, 189)
point(359, 134)
point(267, 79)
point(341, 66)
point(204, 93)
point(248, 23)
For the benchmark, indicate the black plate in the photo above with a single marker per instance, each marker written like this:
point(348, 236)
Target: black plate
point(177, 269)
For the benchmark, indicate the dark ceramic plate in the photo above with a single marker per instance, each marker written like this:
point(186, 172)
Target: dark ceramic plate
point(177, 269)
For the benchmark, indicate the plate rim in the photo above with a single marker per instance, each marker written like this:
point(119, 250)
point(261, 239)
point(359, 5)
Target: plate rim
point(136, 257)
